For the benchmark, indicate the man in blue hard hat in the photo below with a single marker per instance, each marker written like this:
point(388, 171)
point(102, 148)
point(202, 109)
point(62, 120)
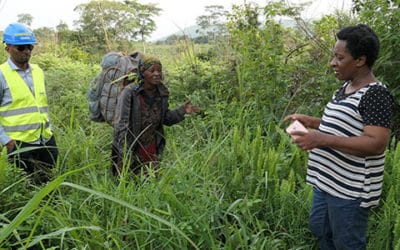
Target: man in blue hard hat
point(25, 128)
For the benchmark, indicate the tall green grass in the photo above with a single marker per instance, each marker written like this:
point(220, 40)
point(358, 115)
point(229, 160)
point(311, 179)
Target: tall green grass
point(230, 178)
point(223, 191)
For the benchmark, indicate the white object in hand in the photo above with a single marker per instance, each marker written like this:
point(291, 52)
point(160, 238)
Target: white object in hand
point(295, 126)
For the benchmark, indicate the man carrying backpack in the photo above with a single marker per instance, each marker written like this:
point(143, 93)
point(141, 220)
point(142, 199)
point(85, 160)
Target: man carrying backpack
point(25, 128)
point(141, 113)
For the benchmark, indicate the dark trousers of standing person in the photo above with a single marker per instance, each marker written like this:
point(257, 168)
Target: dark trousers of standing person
point(137, 162)
point(339, 224)
point(117, 162)
point(36, 159)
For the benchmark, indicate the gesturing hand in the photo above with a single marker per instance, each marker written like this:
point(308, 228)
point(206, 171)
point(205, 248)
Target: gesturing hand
point(189, 109)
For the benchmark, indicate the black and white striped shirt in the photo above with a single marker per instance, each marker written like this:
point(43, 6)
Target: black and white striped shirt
point(343, 175)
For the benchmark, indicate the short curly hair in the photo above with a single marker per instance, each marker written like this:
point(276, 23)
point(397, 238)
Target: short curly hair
point(361, 41)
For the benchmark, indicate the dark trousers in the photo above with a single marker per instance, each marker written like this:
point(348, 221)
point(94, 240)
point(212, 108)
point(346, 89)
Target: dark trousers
point(35, 159)
point(134, 162)
point(117, 162)
point(339, 224)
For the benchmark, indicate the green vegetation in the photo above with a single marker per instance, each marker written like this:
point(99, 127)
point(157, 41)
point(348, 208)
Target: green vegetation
point(230, 177)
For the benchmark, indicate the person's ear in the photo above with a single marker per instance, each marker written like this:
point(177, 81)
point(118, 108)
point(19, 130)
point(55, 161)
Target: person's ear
point(361, 61)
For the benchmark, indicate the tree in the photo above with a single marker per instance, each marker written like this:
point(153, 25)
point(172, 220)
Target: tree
point(45, 34)
point(65, 35)
point(144, 15)
point(25, 19)
point(244, 17)
point(213, 25)
point(110, 22)
point(62, 26)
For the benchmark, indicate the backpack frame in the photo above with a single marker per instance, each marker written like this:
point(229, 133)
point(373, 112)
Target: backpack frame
point(118, 71)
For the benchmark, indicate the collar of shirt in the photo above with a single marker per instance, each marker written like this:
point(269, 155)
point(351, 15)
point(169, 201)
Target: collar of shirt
point(15, 67)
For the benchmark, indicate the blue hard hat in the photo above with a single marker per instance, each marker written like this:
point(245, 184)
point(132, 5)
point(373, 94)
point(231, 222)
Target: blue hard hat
point(17, 34)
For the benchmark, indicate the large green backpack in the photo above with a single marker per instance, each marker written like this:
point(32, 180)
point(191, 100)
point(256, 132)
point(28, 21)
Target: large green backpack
point(117, 71)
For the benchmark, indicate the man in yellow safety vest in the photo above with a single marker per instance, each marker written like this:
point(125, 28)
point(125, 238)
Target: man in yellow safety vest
point(25, 128)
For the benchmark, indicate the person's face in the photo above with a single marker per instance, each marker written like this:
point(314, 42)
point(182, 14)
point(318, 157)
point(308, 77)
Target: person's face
point(153, 75)
point(343, 62)
point(20, 54)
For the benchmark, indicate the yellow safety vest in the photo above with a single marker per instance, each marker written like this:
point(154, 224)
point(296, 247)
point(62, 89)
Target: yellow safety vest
point(26, 118)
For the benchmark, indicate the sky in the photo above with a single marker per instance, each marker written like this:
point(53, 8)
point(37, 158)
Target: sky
point(176, 15)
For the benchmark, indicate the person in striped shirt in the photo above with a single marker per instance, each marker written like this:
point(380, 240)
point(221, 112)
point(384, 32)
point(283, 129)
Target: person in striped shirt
point(347, 145)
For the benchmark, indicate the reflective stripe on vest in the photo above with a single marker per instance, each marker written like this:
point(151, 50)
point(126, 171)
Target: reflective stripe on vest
point(26, 118)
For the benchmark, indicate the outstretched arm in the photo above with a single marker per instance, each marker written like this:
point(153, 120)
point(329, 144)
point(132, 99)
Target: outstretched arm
point(177, 115)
